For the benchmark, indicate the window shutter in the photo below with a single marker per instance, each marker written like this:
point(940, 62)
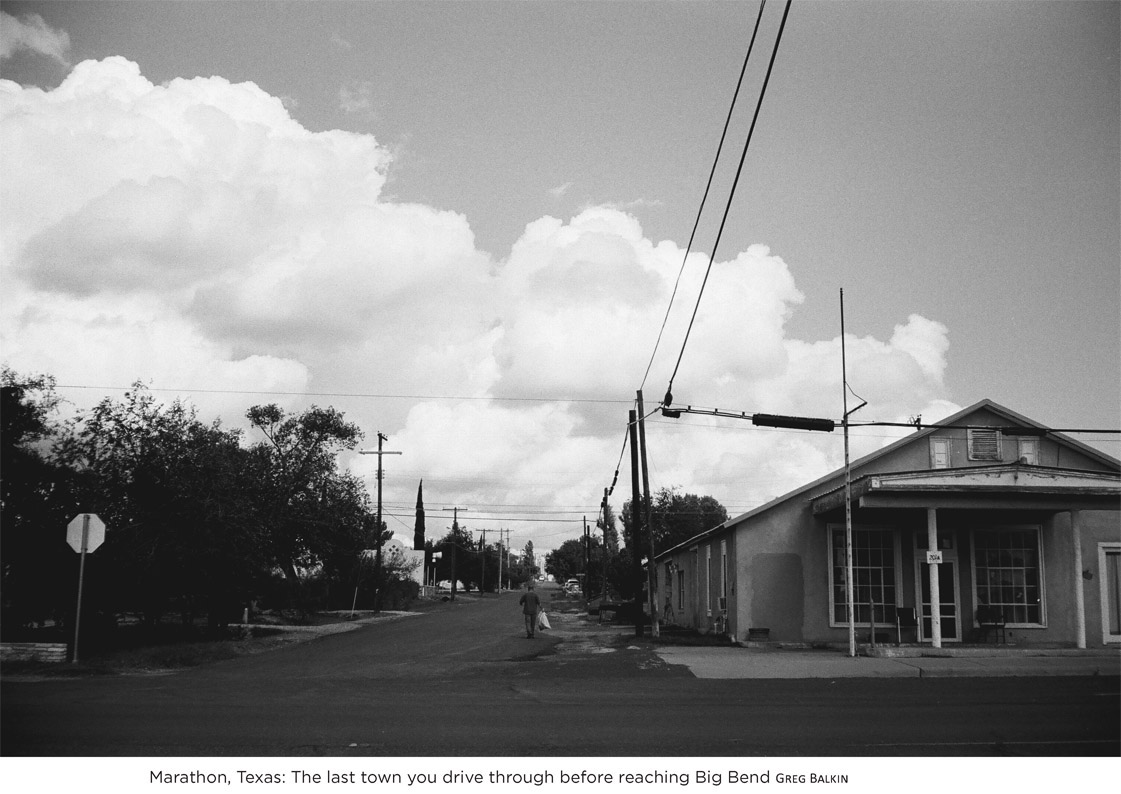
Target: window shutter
point(984, 445)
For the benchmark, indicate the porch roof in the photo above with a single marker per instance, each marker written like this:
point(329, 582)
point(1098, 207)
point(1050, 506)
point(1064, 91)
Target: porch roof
point(1014, 486)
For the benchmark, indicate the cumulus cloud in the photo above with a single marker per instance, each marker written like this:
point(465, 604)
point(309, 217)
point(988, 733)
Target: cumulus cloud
point(194, 235)
point(31, 33)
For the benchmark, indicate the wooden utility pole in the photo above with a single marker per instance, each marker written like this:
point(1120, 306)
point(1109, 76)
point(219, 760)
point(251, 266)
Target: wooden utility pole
point(651, 572)
point(377, 529)
point(500, 555)
point(483, 564)
point(850, 605)
point(587, 557)
point(636, 522)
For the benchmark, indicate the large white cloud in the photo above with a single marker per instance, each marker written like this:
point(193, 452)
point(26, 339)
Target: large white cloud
point(195, 235)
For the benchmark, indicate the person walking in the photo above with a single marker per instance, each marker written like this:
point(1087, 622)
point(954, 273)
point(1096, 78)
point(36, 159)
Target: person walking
point(531, 605)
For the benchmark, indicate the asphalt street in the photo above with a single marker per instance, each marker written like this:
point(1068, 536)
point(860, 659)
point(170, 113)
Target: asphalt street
point(461, 679)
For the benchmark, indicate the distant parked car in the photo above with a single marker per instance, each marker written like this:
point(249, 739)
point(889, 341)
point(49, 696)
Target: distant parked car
point(573, 587)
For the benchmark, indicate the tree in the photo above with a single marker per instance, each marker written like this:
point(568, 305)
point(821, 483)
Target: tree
point(456, 552)
point(516, 572)
point(565, 561)
point(568, 560)
point(176, 495)
point(315, 514)
point(36, 502)
point(529, 561)
point(610, 531)
point(677, 517)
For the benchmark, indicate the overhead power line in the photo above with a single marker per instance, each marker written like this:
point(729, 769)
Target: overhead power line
point(708, 186)
point(728, 206)
point(828, 425)
point(276, 393)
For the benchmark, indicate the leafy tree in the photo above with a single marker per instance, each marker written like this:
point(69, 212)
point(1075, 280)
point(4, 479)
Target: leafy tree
point(610, 531)
point(315, 514)
point(516, 572)
point(457, 552)
point(529, 561)
point(173, 493)
point(37, 500)
point(677, 517)
point(566, 561)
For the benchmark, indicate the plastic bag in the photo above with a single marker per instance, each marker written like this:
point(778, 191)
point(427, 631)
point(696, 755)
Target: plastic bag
point(543, 620)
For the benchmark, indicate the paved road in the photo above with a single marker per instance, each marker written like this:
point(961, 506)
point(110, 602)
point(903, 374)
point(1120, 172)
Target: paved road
point(462, 680)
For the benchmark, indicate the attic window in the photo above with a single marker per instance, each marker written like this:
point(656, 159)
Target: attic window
point(984, 444)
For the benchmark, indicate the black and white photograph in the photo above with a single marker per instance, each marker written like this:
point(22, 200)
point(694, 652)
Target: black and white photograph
point(505, 395)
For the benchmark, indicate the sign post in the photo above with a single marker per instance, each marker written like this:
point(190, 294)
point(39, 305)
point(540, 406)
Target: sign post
point(85, 533)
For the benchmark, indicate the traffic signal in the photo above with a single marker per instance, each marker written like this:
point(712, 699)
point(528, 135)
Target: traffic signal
point(794, 422)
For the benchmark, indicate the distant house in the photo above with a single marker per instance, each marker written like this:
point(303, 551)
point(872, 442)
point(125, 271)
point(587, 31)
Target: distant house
point(1026, 523)
point(396, 554)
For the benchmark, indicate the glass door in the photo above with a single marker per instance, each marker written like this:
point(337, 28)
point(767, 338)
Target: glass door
point(949, 609)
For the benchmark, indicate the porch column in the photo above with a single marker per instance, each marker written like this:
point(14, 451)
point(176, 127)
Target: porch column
point(935, 595)
point(1079, 597)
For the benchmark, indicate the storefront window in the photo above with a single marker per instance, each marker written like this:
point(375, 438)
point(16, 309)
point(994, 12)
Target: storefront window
point(874, 579)
point(1007, 564)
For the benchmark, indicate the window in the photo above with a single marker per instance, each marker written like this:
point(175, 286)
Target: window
point(1008, 572)
point(723, 569)
point(1028, 451)
point(984, 444)
point(680, 589)
point(939, 453)
point(873, 571)
point(707, 583)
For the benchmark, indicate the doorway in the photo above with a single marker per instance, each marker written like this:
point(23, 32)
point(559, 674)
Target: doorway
point(949, 602)
point(1109, 575)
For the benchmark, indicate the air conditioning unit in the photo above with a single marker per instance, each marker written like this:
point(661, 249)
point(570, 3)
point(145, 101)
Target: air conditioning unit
point(722, 604)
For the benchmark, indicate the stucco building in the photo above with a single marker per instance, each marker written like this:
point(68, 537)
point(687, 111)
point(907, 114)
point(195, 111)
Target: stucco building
point(1025, 522)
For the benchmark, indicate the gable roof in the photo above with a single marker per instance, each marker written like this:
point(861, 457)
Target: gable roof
point(1015, 419)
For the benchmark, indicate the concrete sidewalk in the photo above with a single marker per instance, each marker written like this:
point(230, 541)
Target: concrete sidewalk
point(740, 662)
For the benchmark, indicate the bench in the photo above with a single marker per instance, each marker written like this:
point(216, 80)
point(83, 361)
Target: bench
point(905, 618)
point(990, 618)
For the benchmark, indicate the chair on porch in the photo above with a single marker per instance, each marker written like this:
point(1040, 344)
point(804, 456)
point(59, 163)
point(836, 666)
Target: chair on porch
point(905, 618)
point(990, 618)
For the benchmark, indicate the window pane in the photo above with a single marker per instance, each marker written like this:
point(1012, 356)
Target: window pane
point(873, 575)
point(1008, 573)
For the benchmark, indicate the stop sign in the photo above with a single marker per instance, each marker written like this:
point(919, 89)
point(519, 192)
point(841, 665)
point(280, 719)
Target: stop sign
point(95, 534)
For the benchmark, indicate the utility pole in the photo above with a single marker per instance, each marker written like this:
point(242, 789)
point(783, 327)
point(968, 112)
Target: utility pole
point(587, 557)
point(636, 521)
point(603, 556)
point(483, 564)
point(849, 602)
point(455, 544)
point(377, 529)
point(500, 554)
point(651, 572)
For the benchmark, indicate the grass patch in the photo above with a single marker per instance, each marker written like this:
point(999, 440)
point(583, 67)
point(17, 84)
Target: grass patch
point(159, 648)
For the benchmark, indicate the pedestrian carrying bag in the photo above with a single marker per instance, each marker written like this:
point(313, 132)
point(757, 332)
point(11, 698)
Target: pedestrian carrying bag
point(543, 620)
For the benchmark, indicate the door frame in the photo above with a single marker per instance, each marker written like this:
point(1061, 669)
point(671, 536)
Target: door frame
point(922, 568)
point(1104, 595)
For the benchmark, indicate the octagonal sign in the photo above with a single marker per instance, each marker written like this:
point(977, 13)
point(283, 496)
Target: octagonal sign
point(95, 532)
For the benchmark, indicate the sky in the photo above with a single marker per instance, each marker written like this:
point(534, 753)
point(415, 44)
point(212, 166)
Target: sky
point(464, 224)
